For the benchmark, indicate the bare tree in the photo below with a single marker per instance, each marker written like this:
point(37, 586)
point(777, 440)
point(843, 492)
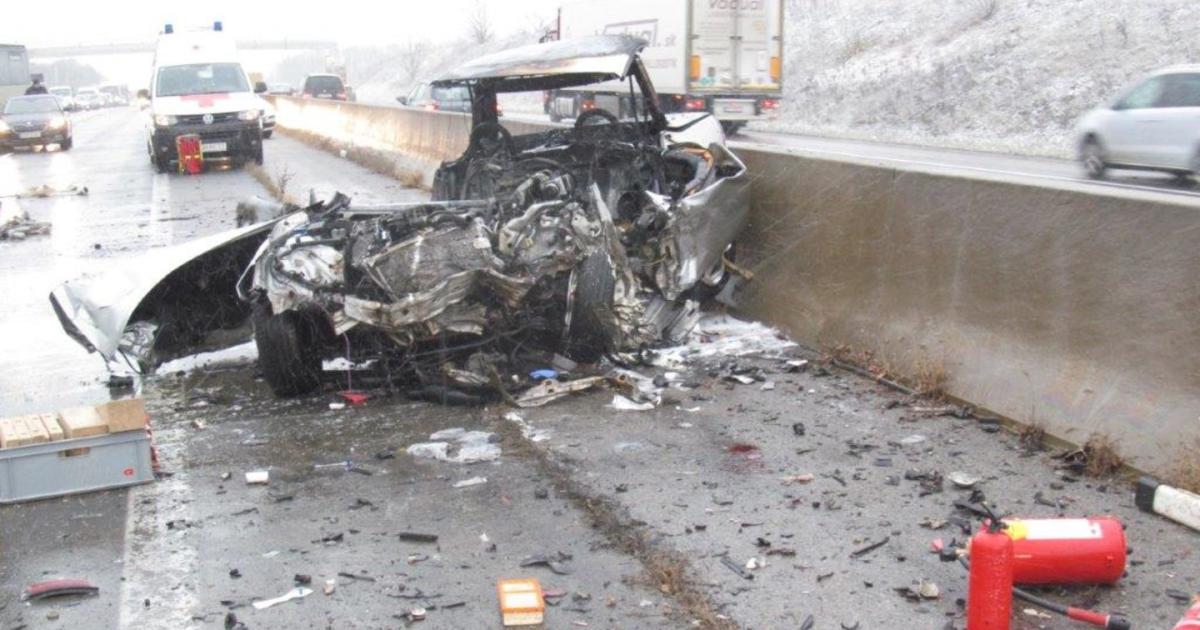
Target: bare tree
point(412, 58)
point(479, 25)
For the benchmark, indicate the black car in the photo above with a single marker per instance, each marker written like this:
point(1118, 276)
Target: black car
point(328, 86)
point(34, 120)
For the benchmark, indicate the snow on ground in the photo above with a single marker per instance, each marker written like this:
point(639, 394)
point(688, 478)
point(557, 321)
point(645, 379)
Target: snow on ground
point(1007, 75)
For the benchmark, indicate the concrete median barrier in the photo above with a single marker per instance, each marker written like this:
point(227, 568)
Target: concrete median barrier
point(1049, 304)
point(1054, 306)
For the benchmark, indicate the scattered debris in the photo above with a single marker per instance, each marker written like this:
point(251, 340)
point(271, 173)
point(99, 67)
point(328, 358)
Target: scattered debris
point(473, 481)
point(621, 403)
point(924, 589)
point(58, 588)
point(1176, 504)
point(458, 446)
point(797, 479)
point(417, 537)
point(736, 568)
point(963, 480)
point(295, 593)
point(258, 477)
point(913, 440)
point(871, 547)
point(555, 562)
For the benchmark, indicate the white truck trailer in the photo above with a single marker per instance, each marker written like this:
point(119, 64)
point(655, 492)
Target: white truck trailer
point(719, 56)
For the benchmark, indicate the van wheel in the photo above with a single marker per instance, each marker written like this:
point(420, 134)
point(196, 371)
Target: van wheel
point(1093, 159)
point(288, 352)
point(66, 145)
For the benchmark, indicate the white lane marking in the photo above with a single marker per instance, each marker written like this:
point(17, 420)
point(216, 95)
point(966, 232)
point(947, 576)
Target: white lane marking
point(977, 169)
point(160, 560)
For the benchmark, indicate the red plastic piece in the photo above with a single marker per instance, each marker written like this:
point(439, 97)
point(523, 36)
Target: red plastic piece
point(354, 397)
point(989, 597)
point(1191, 619)
point(55, 588)
point(1067, 551)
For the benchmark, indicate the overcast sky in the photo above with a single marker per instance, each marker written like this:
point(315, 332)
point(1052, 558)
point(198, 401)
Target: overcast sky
point(349, 22)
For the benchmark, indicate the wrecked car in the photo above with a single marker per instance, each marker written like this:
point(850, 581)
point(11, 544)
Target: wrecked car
point(582, 242)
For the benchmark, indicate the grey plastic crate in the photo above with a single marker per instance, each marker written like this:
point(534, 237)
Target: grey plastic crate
point(86, 464)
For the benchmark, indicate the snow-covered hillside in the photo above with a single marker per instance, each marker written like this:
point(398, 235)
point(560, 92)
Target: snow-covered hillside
point(1010, 75)
point(1006, 75)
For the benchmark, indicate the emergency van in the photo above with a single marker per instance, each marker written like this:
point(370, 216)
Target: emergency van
point(201, 102)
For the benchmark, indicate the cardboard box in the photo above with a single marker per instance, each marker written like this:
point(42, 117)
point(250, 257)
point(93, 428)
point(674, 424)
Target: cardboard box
point(123, 415)
point(49, 422)
point(22, 431)
point(521, 602)
point(80, 422)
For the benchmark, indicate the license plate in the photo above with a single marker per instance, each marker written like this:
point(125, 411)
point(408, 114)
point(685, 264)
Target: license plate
point(29, 135)
point(734, 107)
point(212, 147)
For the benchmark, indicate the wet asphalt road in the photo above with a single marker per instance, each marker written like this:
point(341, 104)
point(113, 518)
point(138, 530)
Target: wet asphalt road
point(700, 479)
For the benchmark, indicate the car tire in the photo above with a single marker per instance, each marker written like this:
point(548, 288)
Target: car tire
point(161, 164)
point(66, 145)
point(589, 338)
point(731, 127)
point(258, 155)
point(287, 351)
point(268, 134)
point(1093, 158)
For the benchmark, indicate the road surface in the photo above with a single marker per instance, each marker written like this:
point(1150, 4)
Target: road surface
point(646, 510)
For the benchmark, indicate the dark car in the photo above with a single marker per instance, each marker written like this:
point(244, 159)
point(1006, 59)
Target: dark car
point(328, 86)
point(34, 120)
point(452, 98)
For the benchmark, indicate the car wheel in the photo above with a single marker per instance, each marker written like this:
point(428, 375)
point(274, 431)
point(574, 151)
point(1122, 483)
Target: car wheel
point(66, 145)
point(287, 351)
point(731, 127)
point(161, 164)
point(258, 155)
point(589, 338)
point(268, 134)
point(1093, 159)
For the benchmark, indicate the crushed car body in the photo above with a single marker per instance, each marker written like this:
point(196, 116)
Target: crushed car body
point(578, 242)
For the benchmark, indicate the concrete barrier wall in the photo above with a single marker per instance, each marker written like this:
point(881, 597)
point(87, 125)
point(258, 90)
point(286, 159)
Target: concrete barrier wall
point(1057, 306)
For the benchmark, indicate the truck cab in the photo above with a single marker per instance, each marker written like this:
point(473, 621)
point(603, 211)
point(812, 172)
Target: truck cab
point(198, 89)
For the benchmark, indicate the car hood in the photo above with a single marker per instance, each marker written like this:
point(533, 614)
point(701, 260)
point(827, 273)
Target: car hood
point(16, 119)
point(192, 104)
point(555, 64)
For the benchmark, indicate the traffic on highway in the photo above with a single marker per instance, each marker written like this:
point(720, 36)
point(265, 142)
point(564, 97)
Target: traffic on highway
point(584, 315)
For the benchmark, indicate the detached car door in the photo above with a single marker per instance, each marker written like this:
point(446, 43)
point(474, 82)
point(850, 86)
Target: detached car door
point(1176, 137)
point(1133, 123)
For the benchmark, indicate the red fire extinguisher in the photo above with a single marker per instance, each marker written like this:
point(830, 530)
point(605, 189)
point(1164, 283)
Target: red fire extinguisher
point(1191, 619)
point(1067, 550)
point(989, 597)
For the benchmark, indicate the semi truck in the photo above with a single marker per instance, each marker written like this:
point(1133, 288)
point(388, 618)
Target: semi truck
point(724, 57)
point(14, 71)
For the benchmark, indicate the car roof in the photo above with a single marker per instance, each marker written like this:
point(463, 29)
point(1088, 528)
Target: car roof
point(563, 63)
point(33, 97)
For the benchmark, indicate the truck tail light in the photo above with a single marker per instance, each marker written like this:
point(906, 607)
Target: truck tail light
point(587, 105)
point(776, 69)
point(695, 105)
point(694, 67)
point(769, 104)
point(341, 96)
point(431, 106)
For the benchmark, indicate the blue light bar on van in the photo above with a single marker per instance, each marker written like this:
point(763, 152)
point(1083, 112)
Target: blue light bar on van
point(168, 29)
point(217, 26)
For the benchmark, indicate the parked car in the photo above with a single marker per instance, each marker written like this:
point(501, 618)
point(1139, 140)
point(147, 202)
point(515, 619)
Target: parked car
point(66, 97)
point(1154, 125)
point(328, 86)
point(587, 241)
point(280, 89)
point(36, 120)
point(426, 96)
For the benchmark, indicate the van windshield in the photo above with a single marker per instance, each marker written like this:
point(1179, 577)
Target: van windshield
point(200, 78)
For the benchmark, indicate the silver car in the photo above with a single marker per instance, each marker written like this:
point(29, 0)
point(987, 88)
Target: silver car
point(1154, 125)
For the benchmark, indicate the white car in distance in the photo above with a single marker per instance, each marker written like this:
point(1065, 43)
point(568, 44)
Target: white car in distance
point(1154, 125)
